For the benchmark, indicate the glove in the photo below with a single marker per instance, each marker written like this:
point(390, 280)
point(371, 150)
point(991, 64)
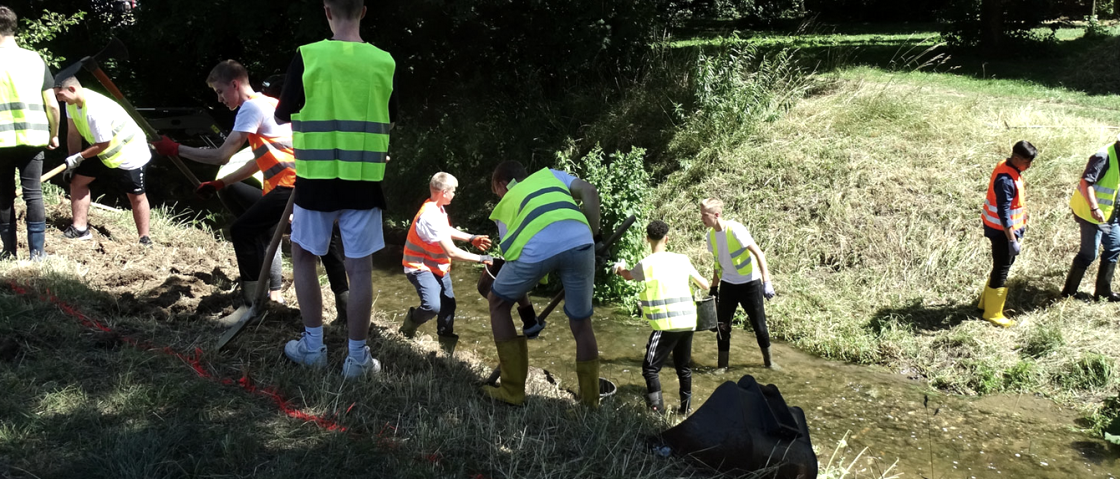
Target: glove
point(485, 259)
point(768, 290)
point(714, 291)
point(166, 146)
point(481, 242)
point(73, 161)
point(207, 189)
point(1013, 248)
point(618, 266)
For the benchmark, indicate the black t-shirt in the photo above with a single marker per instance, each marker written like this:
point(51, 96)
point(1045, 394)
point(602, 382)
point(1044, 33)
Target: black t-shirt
point(334, 194)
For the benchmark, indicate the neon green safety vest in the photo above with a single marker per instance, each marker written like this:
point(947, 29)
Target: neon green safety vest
point(1104, 189)
point(343, 129)
point(740, 255)
point(125, 130)
point(667, 298)
point(531, 205)
point(23, 116)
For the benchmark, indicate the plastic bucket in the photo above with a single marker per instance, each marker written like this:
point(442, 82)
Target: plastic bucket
point(706, 314)
point(606, 388)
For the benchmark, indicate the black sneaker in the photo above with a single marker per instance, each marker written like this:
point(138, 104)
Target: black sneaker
point(75, 233)
point(146, 241)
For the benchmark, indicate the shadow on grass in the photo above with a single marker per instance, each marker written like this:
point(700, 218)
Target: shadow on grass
point(1024, 296)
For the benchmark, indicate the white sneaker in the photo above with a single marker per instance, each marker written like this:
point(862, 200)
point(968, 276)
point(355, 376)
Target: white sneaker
point(297, 351)
point(353, 368)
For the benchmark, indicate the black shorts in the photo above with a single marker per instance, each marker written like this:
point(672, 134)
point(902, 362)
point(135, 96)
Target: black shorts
point(131, 180)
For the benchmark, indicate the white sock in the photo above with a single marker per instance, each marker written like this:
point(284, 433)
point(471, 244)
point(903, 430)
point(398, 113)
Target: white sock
point(358, 349)
point(314, 339)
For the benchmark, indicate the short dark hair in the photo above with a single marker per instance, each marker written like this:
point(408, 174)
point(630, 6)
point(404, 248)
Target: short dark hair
point(657, 230)
point(508, 170)
point(1025, 150)
point(227, 71)
point(347, 9)
point(8, 21)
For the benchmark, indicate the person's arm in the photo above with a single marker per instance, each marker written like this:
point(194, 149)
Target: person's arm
point(1005, 192)
point(1087, 193)
point(762, 267)
point(220, 155)
point(478, 241)
point(246, 170)
point(51, 104)
point(698, 280)
point(454, 252)
point(588, 197)
point(291, 96)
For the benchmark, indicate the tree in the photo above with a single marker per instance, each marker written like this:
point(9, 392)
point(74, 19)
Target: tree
point(991, 26)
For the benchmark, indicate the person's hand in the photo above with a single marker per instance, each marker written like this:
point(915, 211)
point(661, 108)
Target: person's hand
point(618, 266)
point(714, 291)
point(1098, 215)
point(166, 146)
point(73, 161)
point(481, 242)
point(207, 189)
point(1013, 248)
point(486, 259)
point(53, 143)
point(768, 290)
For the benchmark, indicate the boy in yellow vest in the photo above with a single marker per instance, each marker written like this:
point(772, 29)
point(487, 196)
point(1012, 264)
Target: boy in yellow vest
point(738, 280)
point(120, 149)
point(428, 252)
point(543, 229)
point(1098, 218)
point(668, 306)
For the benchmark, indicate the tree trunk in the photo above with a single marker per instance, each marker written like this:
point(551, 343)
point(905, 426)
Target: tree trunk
point(991, 26)
point(1116, 8)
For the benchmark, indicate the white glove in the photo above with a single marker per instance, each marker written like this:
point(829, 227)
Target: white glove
point(73, 161)
point(618, 266)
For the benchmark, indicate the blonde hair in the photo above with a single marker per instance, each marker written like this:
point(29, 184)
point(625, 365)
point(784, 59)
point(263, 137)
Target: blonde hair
point(714, 205)
point(443, 181)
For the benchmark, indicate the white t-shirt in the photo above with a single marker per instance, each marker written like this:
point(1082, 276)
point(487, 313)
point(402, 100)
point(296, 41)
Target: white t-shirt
point(109, 113)
point(258, 116)
point(431, 227)
point(555, 238)
point(639, 272)
point(729, 273)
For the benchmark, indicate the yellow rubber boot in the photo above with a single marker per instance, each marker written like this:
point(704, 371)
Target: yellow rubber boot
point(983, 293)
point(994, 298)
point(513, 356)
point(588, 374)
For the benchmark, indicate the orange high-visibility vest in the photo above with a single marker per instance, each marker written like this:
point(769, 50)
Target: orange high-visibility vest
point(990, 215)
point(424, 256)
point(274, 155)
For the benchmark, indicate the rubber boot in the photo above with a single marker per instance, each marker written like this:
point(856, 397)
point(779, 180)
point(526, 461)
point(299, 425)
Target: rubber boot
point(653, 400)
point(1104, 283)
point(588, 374)
point(1073, 281)
point(408, 327)
point(447, 343)
point(983, 293)
point(993, 307)
point(248, 290)
point(341, 302)
point(766, 358)
point(36, 236)
point(8, 238)
point(722, 362)
point(513, 357)
point(686, 403)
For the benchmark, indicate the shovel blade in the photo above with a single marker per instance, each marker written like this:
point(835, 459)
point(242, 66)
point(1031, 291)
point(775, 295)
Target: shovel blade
point(239, 321)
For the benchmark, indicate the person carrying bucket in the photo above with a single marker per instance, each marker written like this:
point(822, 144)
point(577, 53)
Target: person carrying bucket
point(428, 252)
point(668, 306)
point(737, 279)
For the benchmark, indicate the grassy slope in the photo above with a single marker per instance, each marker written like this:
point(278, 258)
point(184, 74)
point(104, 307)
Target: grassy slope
point(866, 200)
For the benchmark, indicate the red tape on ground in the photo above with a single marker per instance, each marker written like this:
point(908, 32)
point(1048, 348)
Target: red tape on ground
point(194, 360)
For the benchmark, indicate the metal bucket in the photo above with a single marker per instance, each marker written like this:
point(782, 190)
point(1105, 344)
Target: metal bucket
point(706, 314)
point(606, 388)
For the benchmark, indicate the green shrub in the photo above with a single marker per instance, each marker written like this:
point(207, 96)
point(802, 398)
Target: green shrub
point(36, 34)
point(1091, 371)
point(1020, 377)
point(1043, 340)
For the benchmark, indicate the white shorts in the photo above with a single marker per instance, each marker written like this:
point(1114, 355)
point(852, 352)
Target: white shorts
point(361, 230)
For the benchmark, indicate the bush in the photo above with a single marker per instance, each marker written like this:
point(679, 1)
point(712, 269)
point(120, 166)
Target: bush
point(1091, 371)
point(1043, 340)
point(1020, 377)
point(37, 34)
point(962, 27)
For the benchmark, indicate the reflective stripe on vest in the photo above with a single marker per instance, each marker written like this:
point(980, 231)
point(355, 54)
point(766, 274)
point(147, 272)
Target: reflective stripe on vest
point(531, 205)
point(1104, 189)
point(275, 156)
point(23, 117)
point(667, 298)
point(1018, 207)
point(424, 256)
point(124, 128)
point(741, 257)
point(343, 129)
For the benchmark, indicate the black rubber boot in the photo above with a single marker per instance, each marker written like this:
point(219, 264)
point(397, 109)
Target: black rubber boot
point(766, 357)
point(447, 343)
point(653, 400)
point(1104, 283)
point(1073, 281)
point(686, 403)
point(409, 326)
point(722, 364)
point(8, 238)
point(36, 236)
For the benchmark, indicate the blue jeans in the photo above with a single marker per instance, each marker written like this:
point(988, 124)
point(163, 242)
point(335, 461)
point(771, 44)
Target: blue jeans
point(1091, 236)
point(437, 300)
point(576, 268)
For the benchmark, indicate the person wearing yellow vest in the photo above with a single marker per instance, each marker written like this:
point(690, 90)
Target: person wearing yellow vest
point(667, 304)
point(1094, 209)
point(1004, 215)
point(258, 211)
point(428, 252)
point(742, 277)
point(338, 95)
point(548, 221)
point(116, 143)
point(28, 124)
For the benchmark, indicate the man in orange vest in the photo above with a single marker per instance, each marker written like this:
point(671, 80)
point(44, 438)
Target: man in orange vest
point(1005, 221)
point(428, 252)
point(257, 215)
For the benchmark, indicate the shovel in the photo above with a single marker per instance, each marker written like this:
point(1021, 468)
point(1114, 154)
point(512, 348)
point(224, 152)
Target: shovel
point(247, 312)
point(603, 248)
